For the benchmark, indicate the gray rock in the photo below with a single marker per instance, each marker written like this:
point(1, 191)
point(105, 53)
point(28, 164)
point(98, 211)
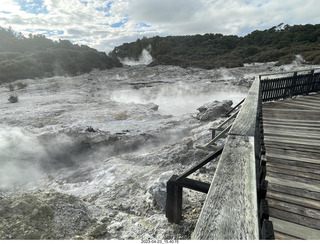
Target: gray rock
point(213, 110)
point(159, 189)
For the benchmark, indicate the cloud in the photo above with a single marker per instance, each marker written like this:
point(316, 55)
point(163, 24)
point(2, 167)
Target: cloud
point(103, 24)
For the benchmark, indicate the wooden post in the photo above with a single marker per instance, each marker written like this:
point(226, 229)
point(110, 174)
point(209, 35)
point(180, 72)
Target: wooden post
point(267, 230)
point(293, 85)
point(174, 201)
point(311, 80)
point(263, 211)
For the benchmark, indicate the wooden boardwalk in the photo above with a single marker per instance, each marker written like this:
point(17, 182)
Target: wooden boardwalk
point(292, 141)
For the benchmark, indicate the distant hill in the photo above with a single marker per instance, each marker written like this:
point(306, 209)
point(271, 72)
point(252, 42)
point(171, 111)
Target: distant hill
point(280, 43)
point(37, 56)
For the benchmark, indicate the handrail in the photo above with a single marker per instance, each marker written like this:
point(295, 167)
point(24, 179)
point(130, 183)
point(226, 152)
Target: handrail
point(286, 72)
point(235, 107)
point(231, 208)
point(285, 87)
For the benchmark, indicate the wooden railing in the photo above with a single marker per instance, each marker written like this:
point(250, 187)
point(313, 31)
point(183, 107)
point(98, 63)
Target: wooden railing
point(235, 207)
point(284, 85)
point(231, 207)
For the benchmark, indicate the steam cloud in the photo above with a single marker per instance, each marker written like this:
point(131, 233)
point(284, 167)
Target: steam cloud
point(25, 157)
point(179, 98)
point(144, 59)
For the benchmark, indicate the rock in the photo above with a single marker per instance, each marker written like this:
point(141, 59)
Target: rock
point(99, 231)
point(159, 189)
point(153, 106)
point(213, 110)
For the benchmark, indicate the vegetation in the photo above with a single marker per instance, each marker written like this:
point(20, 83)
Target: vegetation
point(280, 43)
point(37, 56)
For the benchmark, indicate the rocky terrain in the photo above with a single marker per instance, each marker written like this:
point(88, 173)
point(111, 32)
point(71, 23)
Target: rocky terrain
point(88, 157)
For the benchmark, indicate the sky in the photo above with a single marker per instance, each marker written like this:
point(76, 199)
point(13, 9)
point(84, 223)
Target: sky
point(104, 24)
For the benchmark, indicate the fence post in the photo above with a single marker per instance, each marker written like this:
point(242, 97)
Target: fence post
point(294, 81)
point(174, 201)
point(311, 80)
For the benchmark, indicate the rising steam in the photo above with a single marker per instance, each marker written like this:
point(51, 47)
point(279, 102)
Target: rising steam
point(144, 59)
point(25, 157)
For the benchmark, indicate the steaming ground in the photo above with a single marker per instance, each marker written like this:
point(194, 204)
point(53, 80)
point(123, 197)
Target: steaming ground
point(88, 157)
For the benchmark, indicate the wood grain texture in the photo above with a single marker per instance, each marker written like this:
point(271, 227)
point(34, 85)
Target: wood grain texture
point(292, 140)
point(230, 209)
point(296, 230)
point(245, 123)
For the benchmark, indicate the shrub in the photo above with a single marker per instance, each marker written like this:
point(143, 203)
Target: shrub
point(13, 99)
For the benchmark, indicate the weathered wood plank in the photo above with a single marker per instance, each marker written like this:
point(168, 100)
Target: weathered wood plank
point(245, 122)
point(288, 140)
point(293, 208)
point(303, 106)
point(310, 103)
point(289, 134)
point(291, 177)
point(279, 170)
point(282, 236)
point(293, 183)
point(283, 113)
point(300, 192)
point(297, 129)
point(310, 203)
point(230, 209)
point(311, 152)
point(287, 159)
point(290, 168)
point(296, 230)
point(309, 98)
point(292, 121)
point(295, 218)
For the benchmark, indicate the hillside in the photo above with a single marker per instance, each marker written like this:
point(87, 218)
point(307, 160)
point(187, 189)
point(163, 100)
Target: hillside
point(280, 43)
point(37, 56)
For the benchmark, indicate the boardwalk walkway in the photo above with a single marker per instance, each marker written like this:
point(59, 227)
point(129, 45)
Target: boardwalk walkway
point(292, 141)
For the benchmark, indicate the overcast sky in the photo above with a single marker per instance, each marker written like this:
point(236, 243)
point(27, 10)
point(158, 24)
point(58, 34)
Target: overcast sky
point(104, 24)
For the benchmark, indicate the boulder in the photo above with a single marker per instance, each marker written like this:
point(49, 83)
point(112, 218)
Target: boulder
point(213, 110)
point(159, 189)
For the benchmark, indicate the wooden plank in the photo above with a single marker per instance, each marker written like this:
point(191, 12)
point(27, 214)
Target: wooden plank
point(292, 172)
point(230, 209)
point(289, 134)
point(273, 164)
point(313, 163)
point(245, 122)
point(283, 113)
point(287, 140)
point(294, 163)
point(296, 179)
point(282, 236)
point(304, 193)
point(310, 98)
point(310, 103)
point(293, 208)
point(295, 218)
point(292, 121)
point(305, 151)
point(292, 183)
point(308, 203)
point(296, 129)
point(296, 230)
point(296, 105)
